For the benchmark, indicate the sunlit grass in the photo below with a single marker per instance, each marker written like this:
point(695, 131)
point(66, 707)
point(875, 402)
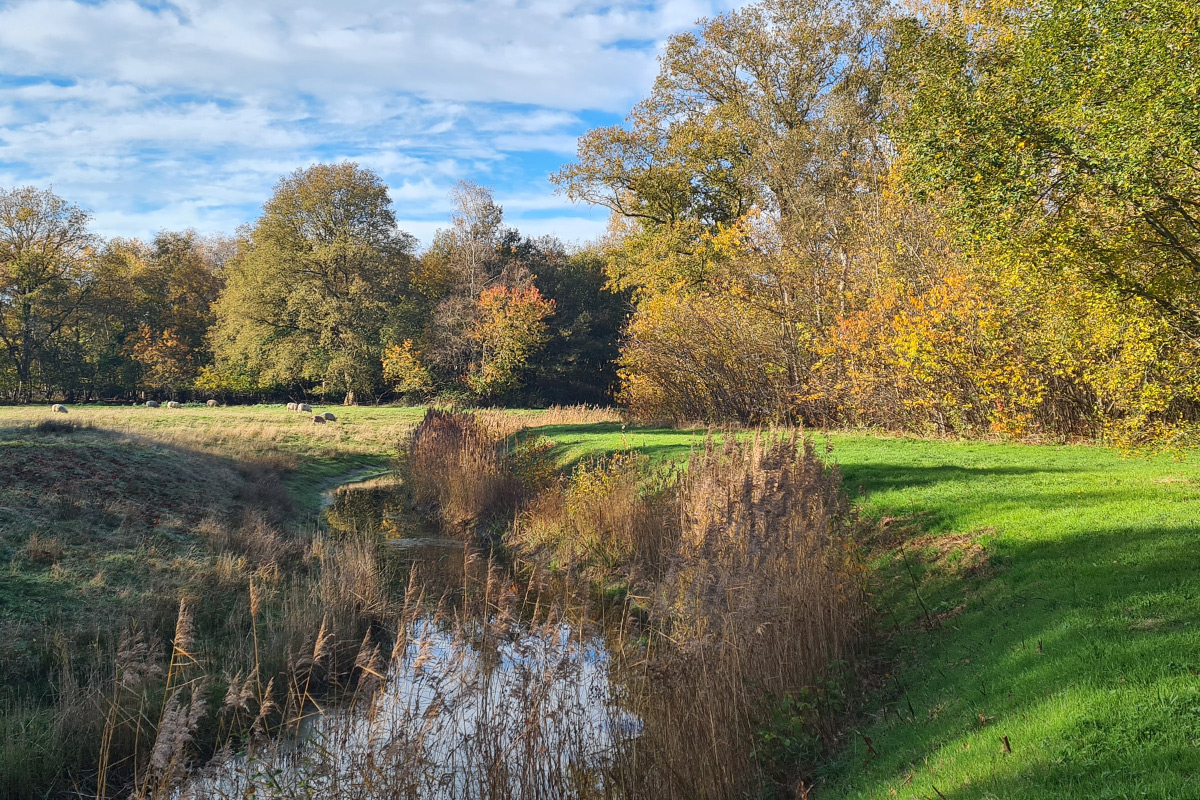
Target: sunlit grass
point(1047, 594)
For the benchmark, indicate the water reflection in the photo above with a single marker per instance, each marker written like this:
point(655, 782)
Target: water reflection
point(379, 507)
point(474, 700)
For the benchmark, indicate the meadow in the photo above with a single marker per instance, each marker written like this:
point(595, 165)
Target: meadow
point(1036, 610)
point(1033, 606)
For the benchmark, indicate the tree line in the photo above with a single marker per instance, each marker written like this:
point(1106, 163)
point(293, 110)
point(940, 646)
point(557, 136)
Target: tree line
point(322, 296)
point(953, 217)
point(962, 217)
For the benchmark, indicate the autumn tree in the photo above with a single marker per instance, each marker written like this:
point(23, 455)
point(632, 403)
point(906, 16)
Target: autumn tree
point(404, 370)
point(475, 229)
point(1064, 130)
point(509, 328)
point(742, 177)
point(474, 318)
point(142, 293)
point(314, 282)
point(167, 361)
point(46, 254)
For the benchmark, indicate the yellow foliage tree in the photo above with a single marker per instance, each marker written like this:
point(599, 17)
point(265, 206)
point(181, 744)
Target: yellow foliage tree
point(402, 368)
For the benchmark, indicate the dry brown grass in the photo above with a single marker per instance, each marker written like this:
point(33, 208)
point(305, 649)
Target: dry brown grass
point(154, 715)
point(42, 549)
point(513, 420)
point(202, 513)
point(265, 435)
point(743, 593)
point(456, 465)
point(761, 595)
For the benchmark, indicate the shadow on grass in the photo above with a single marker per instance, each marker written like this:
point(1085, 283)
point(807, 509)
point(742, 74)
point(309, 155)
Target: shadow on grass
point(870, 478)
point(1078, 639)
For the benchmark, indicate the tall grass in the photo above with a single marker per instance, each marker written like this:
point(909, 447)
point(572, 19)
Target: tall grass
point(740, 586)
point(759, 600)
point(469, 701)
point(456, 465)
point(732, 595)
point(274, 632)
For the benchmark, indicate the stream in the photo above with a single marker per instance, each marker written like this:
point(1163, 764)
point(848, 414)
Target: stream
point(476, 699)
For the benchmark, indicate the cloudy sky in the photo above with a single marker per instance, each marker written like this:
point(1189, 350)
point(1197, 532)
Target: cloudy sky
point(159, 114)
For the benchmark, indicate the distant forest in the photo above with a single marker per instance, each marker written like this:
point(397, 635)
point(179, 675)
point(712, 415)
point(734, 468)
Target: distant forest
point(321, 297)
point(972, 217)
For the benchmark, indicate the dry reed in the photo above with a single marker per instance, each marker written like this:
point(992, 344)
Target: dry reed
point(742, 593)
point(456, 466)
point(738, 587)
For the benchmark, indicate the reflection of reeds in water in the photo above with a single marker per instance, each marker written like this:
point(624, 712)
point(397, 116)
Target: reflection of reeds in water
point(473, 702)
point(456, 464)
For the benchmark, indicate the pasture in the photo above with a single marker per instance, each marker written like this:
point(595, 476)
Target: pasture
point(1035, 606)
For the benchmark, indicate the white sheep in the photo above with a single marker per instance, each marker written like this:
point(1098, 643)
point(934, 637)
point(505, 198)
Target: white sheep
point(291, 406)
point(151, 404)
point(329, 417)
point(304, 408)
point(212, 404)
point(58, 408)
point(173, 404)
point(318, 419)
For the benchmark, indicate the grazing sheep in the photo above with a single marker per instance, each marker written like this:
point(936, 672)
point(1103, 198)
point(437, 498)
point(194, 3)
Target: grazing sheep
point(151, 404)
point(58, 408)
point(304, 408)
point(318, 419)
point(329, 417)
point(291, 406)
point(173, 404)
point(212, 404)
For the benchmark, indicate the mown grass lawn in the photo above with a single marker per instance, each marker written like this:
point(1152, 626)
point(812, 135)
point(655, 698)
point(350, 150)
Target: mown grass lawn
point(1044, 595)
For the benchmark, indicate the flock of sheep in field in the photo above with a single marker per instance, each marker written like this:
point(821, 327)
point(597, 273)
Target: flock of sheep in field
point(302, 408)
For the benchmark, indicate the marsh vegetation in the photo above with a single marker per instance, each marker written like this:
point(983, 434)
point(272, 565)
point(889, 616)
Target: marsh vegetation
point(420, 620)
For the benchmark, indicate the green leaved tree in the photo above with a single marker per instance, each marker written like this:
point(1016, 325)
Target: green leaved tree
point(313, 283)
point(1066, 132)
point(46, 255)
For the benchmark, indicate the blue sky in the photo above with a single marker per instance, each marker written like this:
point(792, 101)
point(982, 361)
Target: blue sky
point(169, 115)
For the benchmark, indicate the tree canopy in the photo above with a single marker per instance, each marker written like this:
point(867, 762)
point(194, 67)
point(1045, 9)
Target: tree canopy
point(313, 283)
point(46, 273)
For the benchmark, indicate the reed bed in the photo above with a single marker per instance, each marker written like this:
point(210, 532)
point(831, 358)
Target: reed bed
point(738, 585)
point(456, 466)
point(493, 696)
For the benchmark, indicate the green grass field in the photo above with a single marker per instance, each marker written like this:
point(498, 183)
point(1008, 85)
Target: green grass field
point(1046, 597)
point(1043, 596)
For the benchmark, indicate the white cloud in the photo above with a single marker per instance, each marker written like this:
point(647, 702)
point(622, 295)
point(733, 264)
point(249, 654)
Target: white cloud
point(186, 115)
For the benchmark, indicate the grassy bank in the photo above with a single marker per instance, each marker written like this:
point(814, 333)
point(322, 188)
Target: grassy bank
point(100, 509)
point(110, 517)
point(1059, 656)
point(1038, 608)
